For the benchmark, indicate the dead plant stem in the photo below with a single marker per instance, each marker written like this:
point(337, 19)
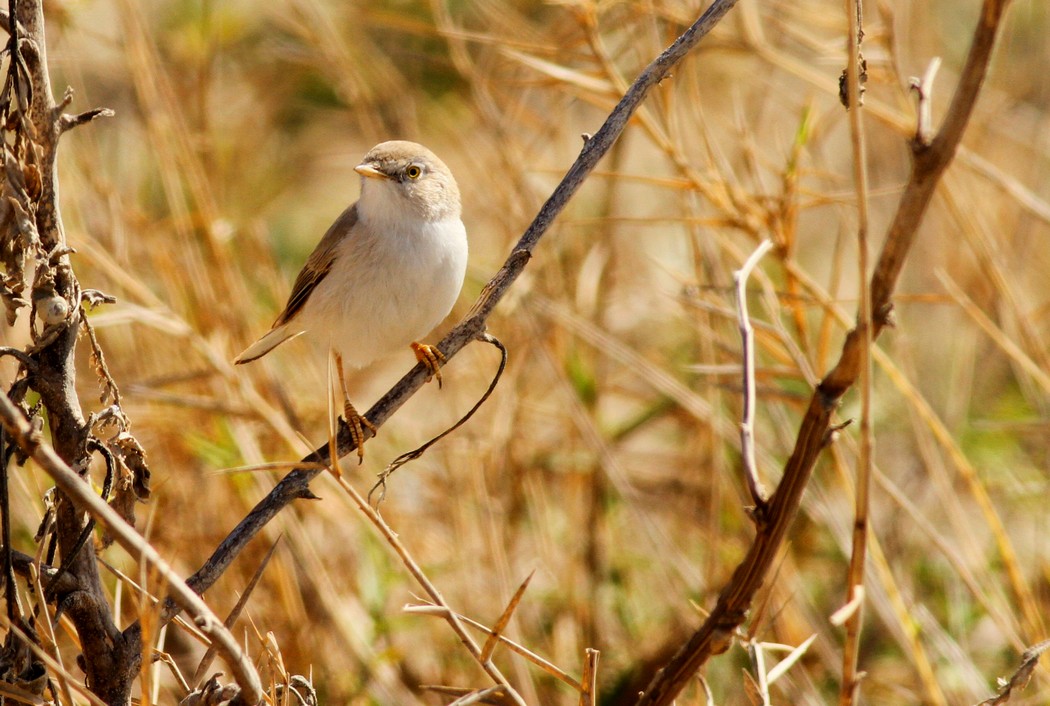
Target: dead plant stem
point(855, 574)
point(450, 616)
point(747, 340)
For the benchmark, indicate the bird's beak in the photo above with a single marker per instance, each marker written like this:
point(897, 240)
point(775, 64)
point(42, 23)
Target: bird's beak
point(367, 170)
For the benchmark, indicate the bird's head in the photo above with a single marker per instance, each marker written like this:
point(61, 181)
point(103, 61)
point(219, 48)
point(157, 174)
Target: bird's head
point(400, 175)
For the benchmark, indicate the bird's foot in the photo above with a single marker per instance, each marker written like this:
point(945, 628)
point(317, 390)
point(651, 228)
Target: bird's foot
point(431, 357)
point(356, 424)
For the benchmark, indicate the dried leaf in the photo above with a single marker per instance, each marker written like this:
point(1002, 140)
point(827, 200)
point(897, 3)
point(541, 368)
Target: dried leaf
point(132, 482)
point(1021, 677)
point(212, 693)
point(12, 303)
point(130, 453)
point(34, 185)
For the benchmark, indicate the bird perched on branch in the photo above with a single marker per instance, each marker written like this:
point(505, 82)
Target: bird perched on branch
point(386, 272)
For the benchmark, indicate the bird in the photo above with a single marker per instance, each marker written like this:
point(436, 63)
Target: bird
point(387, 271)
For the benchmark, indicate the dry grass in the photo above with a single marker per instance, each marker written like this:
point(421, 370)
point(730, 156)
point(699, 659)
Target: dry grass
point(608, 460)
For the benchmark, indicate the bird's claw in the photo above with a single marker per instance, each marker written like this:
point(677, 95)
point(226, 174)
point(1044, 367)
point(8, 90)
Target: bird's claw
point(431, 357)
point(356, 424)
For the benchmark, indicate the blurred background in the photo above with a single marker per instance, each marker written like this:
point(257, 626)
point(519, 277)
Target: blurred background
point(607, 462)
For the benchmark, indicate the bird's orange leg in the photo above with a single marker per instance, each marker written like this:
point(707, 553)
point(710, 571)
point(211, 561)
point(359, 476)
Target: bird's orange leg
point(431, 357)
point(355, 422)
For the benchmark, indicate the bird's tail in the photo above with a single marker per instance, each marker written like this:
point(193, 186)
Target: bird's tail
point(273, 338)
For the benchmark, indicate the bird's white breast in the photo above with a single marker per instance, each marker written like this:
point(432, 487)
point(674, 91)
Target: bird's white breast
point(393, 280)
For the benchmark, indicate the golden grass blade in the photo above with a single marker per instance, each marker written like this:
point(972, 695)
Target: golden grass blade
point(497, 630)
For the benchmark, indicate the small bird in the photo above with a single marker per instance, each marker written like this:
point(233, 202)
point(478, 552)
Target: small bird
point(386, 272)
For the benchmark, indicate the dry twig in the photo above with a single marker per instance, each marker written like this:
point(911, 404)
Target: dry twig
point(747, 336)
point(855, 578)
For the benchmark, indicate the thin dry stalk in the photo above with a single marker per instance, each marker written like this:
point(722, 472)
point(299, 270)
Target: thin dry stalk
point(414, 569)
point(206, 660)
point(855, 574)
point(747, 339)
point(589, 692)
point(51, 643)
point(790, 661)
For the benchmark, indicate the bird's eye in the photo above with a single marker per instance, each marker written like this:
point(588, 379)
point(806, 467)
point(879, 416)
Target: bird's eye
point(413, 171)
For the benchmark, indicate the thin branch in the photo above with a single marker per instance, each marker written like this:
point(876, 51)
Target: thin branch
point(715, 635)
point(24, 565)
point(924, 96)
point(22, 357)
point(409, 456)
point(747, 339)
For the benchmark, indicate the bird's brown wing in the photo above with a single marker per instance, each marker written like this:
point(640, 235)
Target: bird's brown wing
point(317, 266)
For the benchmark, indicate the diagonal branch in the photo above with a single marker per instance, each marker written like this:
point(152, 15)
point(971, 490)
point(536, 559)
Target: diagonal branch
point(295, 485)
point(930, 161)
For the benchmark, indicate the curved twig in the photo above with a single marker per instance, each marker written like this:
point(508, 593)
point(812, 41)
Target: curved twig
point(747, 336)
point(412, 455)
point(22, 356)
